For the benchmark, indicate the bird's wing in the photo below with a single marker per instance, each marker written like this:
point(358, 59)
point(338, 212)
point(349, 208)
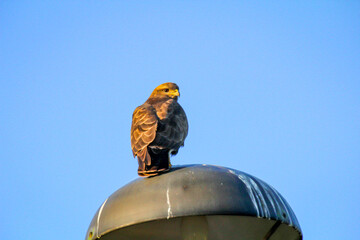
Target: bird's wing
point(143, 128)
point(172, 131)
point(183, 123)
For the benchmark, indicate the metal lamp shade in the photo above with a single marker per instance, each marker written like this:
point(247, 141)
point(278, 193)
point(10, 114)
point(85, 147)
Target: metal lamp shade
point(195, 202)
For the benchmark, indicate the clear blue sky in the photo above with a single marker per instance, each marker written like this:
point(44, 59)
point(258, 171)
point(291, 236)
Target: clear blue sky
point(271, 89)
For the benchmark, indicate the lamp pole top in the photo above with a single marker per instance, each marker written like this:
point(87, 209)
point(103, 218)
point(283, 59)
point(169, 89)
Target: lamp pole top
point(195, 190)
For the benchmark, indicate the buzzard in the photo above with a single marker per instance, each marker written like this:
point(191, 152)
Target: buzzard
point(159, 128)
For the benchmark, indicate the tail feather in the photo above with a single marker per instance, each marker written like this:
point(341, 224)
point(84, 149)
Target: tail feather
point(153, 161)
point(144, 159)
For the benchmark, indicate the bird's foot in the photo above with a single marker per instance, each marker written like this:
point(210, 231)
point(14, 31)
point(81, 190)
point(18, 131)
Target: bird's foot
point(152, 172)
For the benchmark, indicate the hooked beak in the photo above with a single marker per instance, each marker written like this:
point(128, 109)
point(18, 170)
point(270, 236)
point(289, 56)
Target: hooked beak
point(174, 93)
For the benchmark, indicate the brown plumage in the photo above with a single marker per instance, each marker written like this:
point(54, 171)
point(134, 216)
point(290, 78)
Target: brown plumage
point(159, 128)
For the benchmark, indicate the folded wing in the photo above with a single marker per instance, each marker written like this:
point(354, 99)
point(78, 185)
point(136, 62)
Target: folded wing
point(143, 132)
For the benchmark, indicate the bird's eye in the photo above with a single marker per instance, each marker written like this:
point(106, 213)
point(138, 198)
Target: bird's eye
point(166, 90)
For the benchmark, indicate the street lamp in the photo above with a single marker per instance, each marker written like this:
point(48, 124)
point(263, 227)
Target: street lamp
point(195, 202)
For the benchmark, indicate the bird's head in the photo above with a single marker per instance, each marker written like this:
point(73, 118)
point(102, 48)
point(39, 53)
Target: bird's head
point(166, 90)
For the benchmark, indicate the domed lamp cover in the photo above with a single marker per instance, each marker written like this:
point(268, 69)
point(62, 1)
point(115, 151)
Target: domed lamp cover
point(195, 202)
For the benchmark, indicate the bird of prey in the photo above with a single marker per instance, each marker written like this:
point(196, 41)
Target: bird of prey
point(159, 128)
